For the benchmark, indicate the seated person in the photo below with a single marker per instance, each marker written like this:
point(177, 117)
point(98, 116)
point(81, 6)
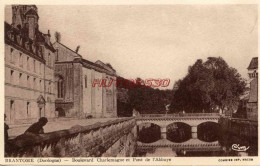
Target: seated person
point(37, 128)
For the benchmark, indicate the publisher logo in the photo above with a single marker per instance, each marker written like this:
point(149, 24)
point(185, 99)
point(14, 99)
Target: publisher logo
point(237, 147)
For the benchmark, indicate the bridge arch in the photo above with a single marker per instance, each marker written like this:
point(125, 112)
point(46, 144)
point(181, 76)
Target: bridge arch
point(148, 132)
point(208, 131)
point(178, 132)
point(192, 120)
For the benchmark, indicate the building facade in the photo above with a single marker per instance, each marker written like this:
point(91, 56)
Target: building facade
point(29, 68)
point(252, 104)
point(76, 96)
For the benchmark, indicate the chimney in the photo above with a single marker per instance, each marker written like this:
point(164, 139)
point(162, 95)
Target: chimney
point(77, 49)
point(47, 37)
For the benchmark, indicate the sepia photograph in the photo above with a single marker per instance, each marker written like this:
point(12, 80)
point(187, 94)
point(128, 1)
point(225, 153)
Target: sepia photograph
point(177, 80)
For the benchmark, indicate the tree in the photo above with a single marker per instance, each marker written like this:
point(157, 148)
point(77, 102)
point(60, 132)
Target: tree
point(144, 99)
point(57, 36)
point(209, 86)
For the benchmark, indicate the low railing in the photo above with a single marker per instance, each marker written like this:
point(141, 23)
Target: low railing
point(180, 115)
point(92, 140)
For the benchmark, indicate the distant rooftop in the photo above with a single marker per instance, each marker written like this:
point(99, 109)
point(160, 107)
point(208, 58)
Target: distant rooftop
point(253, 64)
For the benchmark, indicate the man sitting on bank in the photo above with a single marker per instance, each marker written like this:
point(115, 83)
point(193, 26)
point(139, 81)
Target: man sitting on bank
point(37, 128)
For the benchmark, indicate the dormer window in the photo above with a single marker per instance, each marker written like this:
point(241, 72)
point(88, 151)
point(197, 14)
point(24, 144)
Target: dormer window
point(19, 39)
point(27, 45)
point(33, 48)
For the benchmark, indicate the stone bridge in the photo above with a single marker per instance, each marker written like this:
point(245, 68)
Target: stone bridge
point(109, 139)
point(192, 119)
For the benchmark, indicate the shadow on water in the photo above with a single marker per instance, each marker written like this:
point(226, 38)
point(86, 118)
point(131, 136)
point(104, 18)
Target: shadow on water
point(148, 132)
point(178, 132)
point(228, 140)
point(208, 131)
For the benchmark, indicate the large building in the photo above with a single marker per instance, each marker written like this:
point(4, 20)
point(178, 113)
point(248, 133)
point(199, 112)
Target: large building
point(76, 95)
point(252, 104)
point(29, 68)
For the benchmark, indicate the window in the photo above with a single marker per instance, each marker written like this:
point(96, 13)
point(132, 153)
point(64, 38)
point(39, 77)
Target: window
point(11, 105)
point(34, 83)
point(86, 82)
point(28, 108)
point(40, 85)
point(12, 55)
point(20, 79)
point(40, 67)
point(11, 76)
point(50, 87)
point(28, 82)
point(60, 87)
point(21, 60)
point(34, 67)
point(28, 63)
point(49, 60)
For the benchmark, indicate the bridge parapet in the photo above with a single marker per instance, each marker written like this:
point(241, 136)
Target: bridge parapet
point(190, 119)
point(179, 115)
point(79, 141)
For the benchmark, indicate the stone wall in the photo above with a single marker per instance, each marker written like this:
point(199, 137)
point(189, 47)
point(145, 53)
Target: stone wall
point(252, 111)
point(66, 72)
point(112, 138)
point(240, 127)
point(26, 79)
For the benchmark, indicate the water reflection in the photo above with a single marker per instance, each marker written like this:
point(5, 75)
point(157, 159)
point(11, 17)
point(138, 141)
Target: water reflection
point(178, 132)
point(148, 132)
point(177, 149)
point(208, 131)
point(197, 147)
point(163, 151)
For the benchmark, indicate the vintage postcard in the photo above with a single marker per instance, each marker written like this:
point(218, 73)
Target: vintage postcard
point(124, 83)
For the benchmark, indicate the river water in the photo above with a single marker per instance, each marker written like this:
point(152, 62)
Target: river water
point(223, 145)
point(223, 150)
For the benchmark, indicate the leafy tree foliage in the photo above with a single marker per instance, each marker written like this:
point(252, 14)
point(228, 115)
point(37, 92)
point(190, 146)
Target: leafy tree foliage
point(144, 99)
point(208, 87)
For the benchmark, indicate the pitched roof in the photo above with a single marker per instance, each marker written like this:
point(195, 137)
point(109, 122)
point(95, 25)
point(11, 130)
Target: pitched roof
point(105, 65)
point(94, 64)
point(253, 64)
point(11, 31)
point(68, 48)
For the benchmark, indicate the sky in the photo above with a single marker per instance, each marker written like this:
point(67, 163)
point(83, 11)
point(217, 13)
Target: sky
point(155, 41)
